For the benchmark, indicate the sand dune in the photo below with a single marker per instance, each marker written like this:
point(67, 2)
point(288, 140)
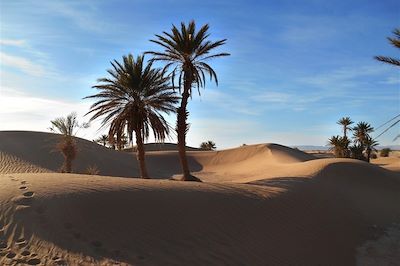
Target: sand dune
point(258, 205)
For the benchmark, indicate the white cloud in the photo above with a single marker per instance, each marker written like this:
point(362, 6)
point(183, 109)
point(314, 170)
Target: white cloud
point(10, 42)
point(20, 111)
point(21, 63)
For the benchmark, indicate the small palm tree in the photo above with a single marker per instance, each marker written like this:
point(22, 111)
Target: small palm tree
point(370, 146)
point(356, 151)
point(208, 145)
point(396, 43)
point(340, 146)
point(103, 139)
point(67, 127)
point(345, 122)
point(186, 52)
point(120, 140)
point(133, 99)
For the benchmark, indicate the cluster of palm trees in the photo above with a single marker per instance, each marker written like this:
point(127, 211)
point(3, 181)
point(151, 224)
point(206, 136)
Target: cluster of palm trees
point(115, 142)
point(137, 95)
point(362, 143)
point(208, 145)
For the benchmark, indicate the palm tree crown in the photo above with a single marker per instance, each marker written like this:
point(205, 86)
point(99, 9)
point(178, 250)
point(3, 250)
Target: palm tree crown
point(65, 125)
point(186, 52)
point(134, 99)
point(361, 132)
point(345, 122)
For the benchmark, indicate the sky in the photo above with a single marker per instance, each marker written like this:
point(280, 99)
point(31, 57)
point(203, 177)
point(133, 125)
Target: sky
point(296, 67)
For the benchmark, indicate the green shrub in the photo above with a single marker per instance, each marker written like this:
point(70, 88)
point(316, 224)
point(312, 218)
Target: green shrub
point(385, 152)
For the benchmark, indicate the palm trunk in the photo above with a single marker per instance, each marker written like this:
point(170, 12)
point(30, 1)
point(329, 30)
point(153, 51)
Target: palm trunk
point(67, 164)
point(181, 129)
point(368, 154)
point(140, 154)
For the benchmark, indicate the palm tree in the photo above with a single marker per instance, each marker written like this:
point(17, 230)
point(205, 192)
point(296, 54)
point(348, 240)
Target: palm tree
point(66, 126)
point(208, 145)
point(134, 99)
point(370, 145)
point(361, 132)
point(396, 43)
point(356, 151)
point(345, 122)
point(340, 146)
point(186, 52)
point(103, 139)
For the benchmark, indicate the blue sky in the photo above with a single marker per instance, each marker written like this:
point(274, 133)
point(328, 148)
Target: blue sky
point(295, 68)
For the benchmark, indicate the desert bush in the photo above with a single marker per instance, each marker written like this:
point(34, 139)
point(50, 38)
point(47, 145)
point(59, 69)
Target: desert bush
point(92, 170)
point(385, 152)
point(374, 155)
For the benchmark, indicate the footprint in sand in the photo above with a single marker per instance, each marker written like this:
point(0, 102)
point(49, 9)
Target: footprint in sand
point(11, 255)
point(3, 245)
point(34, 261)
point(23, 187)
point(23, 182)
point(28, 194)
point(59, 261)
point(25, 253)
point(21, 242)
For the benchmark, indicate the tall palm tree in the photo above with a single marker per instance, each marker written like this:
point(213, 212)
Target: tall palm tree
point(370, 146)
point(396, 43)
point(361, 132)
point(345, 122)
point(186, 51)
point(67, 127)
point(133, 99)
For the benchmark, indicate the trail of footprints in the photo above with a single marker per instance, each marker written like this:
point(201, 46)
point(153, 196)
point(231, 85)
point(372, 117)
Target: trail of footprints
point(25, 256)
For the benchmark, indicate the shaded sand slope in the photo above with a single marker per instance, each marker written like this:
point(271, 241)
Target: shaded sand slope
point(79, 219)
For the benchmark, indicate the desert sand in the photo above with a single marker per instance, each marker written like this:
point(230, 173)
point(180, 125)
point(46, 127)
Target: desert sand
point(263, 204)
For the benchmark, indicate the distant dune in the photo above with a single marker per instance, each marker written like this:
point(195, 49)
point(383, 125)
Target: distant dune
point(263, 204)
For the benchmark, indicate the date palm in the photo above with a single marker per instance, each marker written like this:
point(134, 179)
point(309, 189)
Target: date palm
point(67, 127)
point(370, 146)
point(186, 52)
point(361, 132)
point(345, 122)
point(396, 43)
point(208, 145)
point(133, 99)
point(340, 146)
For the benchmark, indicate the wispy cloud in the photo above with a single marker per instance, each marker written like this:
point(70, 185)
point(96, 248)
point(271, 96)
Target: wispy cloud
point(23, 64)
point(11, 42)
